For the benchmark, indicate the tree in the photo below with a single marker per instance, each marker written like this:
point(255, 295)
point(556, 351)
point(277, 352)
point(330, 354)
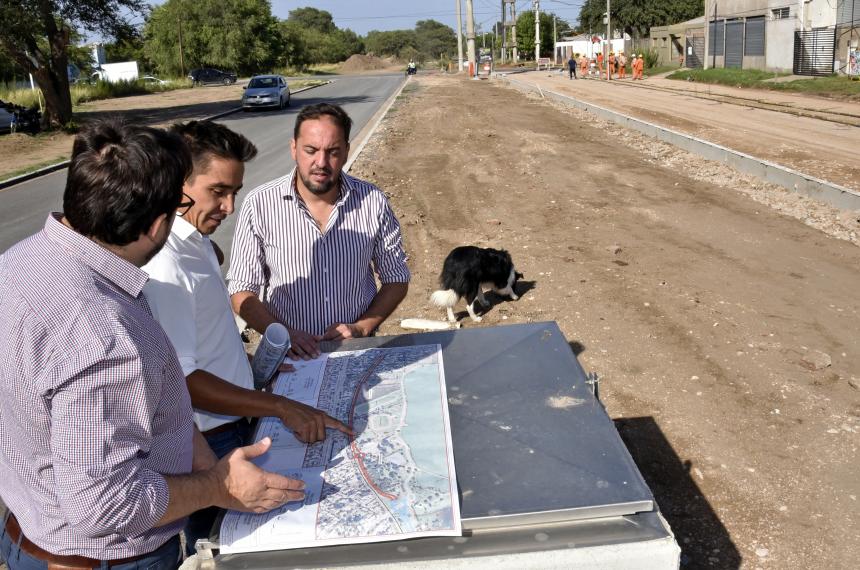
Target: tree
point(636, 17)
point(526, 33)
point(36, 34)
point(390, 42)
point(312, 19)
point(236, 35)
point(434, 38)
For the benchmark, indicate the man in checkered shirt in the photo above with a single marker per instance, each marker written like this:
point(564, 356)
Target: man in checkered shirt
point(100, 461)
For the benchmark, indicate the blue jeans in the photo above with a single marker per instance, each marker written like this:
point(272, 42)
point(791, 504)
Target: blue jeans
point(166, 557)
point(200, 523)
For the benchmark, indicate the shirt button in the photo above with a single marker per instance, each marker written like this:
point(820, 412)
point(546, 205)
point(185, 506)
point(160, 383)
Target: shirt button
point(326, 299)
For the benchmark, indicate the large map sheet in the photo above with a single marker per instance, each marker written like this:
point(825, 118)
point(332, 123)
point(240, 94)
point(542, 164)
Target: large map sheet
point(393, 479)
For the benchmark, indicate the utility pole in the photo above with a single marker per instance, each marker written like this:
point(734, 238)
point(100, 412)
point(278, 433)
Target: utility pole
point(504, 44)
point(459, 36)
point(608, 43)
point(554, 38)
point(470, 36)
point(537, 33)
point(514, 31)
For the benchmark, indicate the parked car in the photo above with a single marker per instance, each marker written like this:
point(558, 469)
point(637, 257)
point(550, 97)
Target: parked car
point(26, 120)
point(266, 91)
point(152, 80)
point(208, 76)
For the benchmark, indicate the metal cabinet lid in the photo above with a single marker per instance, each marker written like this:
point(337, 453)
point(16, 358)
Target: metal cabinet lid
point(531, 443)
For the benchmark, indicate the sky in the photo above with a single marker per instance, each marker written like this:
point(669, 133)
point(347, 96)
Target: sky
point(362, 16)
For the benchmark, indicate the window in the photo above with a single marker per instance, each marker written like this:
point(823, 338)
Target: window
point(717, 40)
point(780, 13)
point(754, 44)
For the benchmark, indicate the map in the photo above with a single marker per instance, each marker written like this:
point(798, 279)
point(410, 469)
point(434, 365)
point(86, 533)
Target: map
point(393, 479)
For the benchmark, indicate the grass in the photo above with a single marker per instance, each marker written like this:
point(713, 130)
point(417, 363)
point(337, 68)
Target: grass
point(833, 86)
point(82, 93)
point(32, 168)
point(296, 84)
point(319, 69)
point(658, 69)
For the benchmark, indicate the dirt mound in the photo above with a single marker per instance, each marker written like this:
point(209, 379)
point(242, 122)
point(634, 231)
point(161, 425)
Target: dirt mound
point(360, 62)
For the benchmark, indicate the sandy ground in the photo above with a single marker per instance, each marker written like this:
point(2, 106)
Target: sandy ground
point(725, 330)
point(823, 148)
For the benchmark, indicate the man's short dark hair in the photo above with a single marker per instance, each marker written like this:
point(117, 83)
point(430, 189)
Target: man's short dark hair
point(122, 178)
point(314, 112)
point(206, 139)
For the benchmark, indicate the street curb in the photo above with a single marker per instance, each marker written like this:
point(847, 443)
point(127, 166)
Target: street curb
point(60, 165)
point(378, 119)
point(790, 179)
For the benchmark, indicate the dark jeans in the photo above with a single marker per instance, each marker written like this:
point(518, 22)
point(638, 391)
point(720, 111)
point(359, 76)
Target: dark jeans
point(167, 557)
point(571, 73)
point(199, 524)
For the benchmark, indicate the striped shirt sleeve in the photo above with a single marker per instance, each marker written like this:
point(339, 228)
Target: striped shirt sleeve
point(248, 255)
point(99, 419)
point(389, 257)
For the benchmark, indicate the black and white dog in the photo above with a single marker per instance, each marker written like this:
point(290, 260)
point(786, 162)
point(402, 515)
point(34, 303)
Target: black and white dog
point(467, 271)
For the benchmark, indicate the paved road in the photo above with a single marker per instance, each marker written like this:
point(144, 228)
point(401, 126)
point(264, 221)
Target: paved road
point(23, 207)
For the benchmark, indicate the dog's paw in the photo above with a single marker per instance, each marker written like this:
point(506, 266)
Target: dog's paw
point(514, 297)
point(477, 319)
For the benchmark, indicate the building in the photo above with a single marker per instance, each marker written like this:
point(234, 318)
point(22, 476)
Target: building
point(776, 35)
point(680, 44)
point(589, 45)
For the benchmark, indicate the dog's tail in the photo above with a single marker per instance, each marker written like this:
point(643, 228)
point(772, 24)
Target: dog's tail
point(444, 298)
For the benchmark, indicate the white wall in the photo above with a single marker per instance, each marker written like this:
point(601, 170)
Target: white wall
point(779, 49)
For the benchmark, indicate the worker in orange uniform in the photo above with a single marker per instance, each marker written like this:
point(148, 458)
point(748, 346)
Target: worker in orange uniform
point(600, 63)
point(638, 65)
point(583, 64)
point(622, 65)
point(611, 71)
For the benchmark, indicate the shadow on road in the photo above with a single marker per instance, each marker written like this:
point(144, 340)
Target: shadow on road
point(704, 541)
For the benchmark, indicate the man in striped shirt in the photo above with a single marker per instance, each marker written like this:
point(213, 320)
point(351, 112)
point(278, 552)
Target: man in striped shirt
point(311, 241)
point(100, 462)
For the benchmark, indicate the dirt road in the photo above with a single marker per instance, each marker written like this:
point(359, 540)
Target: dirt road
point(821, 148)
point(725, 332)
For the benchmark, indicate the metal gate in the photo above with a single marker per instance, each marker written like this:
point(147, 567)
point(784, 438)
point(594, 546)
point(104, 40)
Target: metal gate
point(735, 43)
point(814, 51)
point(695, 52)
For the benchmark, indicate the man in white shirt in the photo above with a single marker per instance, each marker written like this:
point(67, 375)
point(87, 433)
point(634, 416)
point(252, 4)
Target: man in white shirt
point(189, 299)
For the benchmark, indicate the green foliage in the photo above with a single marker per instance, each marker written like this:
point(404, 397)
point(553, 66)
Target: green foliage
point(234, 35)
point(36, 36)
point(636, 17)
point(432, 39)
point(526, 34)
point(127, 49)
point(313, 19)
point(390, 42)
point(651, 57)
point(83, 92)
point(833, 86)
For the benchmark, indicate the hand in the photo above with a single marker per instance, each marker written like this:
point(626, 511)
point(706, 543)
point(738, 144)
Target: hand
point(308, 423)
point(303, 345)
point(340, 331)
point(246, 487)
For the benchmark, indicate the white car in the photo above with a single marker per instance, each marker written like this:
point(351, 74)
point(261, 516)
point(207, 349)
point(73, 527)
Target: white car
point(266, 91)
point(152, 80)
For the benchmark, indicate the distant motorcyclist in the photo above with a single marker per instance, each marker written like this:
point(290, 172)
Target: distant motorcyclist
point(411, 68)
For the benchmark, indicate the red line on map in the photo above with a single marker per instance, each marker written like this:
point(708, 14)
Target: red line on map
point(356, 452)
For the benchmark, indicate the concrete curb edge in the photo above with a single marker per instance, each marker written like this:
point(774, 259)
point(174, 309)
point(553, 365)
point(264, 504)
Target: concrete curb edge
point(792, 180)
point(60, 165)
point(379, 116)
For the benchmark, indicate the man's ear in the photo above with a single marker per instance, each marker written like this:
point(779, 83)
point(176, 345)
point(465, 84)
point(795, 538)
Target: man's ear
point(293, 148)
point(157, 227)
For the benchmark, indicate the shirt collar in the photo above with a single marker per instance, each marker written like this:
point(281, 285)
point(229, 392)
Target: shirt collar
point(109, 265)
point(183, 229)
